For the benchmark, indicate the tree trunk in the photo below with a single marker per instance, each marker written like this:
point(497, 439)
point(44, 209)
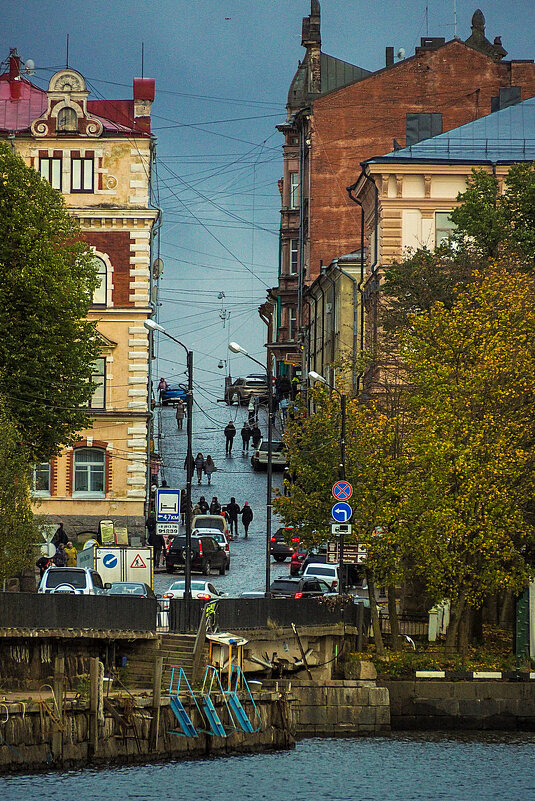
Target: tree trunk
point(507, 608)
point(464, 631)
point(456, 614)
point(376, 627)
point(477, 626)
point(395, 636)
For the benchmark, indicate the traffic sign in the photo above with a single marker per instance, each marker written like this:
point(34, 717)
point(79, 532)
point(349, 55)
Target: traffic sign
point(138, 561)
point(110, 560)
point(352, 554)
point(342, 490)
point(341, 512)
point(168, 529)
point(167, 505)
point(341, 528)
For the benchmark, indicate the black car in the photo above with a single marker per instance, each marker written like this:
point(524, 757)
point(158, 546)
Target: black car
point(206, 555)
point(279, 549)
point(136, 589)
point(295, 587)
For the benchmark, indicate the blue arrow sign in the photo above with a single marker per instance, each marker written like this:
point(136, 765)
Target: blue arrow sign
point(110, 560)
point(341, 512)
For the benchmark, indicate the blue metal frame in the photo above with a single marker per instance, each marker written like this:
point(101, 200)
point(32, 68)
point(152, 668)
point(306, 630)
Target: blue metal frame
point(237, 675)
point(186, 723)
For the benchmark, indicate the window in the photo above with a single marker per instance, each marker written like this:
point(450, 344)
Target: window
point(50, 168)
point(444, 227)
point(98, 380)
point(292, 324)
point(100, 293)
point(81, 174)
point(41, 479)
point(89, 472)
point(294, 251)
point(67, 120)
point(421, 126)
point(294, 190)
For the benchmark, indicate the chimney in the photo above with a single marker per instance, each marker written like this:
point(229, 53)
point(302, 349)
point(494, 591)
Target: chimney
point(311, 39)
point(144, 89)
point(389, 56)
point(15, 86)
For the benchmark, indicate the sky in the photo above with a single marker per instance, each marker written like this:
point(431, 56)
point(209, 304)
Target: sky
point(222, 70)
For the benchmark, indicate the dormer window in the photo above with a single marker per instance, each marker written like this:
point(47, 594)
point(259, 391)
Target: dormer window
point(67, 120)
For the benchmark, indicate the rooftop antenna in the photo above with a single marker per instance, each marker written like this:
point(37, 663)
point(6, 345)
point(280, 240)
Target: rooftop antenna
point(142, 58)
point(427, 19)
point(67, 54)
point(455, 18)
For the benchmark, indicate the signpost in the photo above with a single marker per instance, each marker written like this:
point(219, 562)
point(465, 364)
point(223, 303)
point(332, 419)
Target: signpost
point(341, 512)
point(342, 490)
point(167, 505)
point(353, 554)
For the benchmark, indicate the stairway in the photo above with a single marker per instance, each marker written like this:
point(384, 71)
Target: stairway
point(177, 649)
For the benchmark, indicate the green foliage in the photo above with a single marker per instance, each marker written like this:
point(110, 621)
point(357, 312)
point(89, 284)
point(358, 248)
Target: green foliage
point(46, 282)
point(18, 532)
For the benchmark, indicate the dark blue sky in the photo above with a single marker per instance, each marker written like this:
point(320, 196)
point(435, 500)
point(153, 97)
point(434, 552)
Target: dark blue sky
point(217, 180)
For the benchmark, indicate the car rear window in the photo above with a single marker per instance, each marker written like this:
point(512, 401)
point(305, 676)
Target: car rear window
point(210, 521)
point(318, 570)
point(286, 586)
point(276, 447)
point(57, 576)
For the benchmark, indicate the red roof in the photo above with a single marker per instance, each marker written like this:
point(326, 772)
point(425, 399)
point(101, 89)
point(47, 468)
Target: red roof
point(17, 115)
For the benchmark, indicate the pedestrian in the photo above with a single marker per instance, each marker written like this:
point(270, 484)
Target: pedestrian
point(203, 505)
point(162, 387)
point(233, 510)
point(199, 467)
point(179, 414)
point(150, 525)
point(256, 436)
point(251, 411)
point(283, 406)
point(246, 517)
point(215, 506)
point(209, 468)
point(43, 563)
point(60, 557)
point(196, 510)
point(191, 461)
point(230, 433)
point(183, 506)
point(245, 437)
point(60, 536)
point(295, 387)
point(156, 541)
point(72, 554)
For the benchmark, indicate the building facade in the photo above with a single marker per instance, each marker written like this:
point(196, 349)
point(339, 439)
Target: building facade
point(98, 153)
point(339, 115)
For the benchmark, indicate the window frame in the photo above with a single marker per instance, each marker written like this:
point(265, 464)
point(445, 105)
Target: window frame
point(103, 286)
point(294, 195)
point(293, 252)
point(102, 374)
point(67, 111)
point(292, 323)
point(41, 493)
point(78, 454)
point(50, 170)
point(447, 231)
point(83, 187)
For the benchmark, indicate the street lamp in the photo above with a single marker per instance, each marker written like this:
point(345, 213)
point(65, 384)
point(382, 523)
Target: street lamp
point(342, 467)
point(150, 325)
point(235, 348)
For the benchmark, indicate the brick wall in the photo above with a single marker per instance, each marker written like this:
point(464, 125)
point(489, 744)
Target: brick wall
point(116, 244)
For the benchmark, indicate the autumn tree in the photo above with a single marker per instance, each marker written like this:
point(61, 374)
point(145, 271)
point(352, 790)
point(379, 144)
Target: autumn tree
point(46, 283)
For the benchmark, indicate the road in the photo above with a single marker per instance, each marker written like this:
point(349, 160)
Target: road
point(234, 477)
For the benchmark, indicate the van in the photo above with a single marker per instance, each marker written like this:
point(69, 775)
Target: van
point(210, 521)
point(71, 581)
point(328, 573)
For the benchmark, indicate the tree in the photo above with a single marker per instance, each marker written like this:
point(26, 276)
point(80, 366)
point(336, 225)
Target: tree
point(472, 375)
point(18, 532)
point(47, 278)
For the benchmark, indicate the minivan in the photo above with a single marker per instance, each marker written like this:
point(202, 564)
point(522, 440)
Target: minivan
point(206, 555)
point(71, 581)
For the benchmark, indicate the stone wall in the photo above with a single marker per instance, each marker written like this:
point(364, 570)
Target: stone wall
point(476, 705)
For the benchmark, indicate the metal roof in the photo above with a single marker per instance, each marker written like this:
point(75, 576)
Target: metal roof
point(503, 136)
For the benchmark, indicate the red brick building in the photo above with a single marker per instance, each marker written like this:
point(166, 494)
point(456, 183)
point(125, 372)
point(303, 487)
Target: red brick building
point(339, 115)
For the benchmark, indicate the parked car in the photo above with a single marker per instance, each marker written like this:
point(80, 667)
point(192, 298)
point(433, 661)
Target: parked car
point(328, 573)
point(279, 548)
point(243, 389)
point(295, 587)
point(298, 557)
point(72, 581)
point(218, 522)
point(259, 459)
point(136, 589)
point(218, 536)
point(172, 394)
point(206, 555)
point(199, 589)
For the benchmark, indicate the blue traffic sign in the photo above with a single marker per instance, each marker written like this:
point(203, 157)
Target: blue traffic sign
point(342, 490)
point(109, 560)
point(341, 512)
point(168, 505)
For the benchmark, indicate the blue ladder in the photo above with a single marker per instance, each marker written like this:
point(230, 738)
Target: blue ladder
point(241, 716)
point(214, 721)
point(237, 675)
point(186, 724)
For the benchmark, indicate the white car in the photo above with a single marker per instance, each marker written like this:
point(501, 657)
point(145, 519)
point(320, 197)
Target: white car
point(259, 459)
point(71, 581)
point(328, 573)
point(199, 589)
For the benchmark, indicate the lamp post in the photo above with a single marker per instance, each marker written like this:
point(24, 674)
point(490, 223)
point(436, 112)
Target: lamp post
point(235, 348)
point(342, 467)
point(152, 326)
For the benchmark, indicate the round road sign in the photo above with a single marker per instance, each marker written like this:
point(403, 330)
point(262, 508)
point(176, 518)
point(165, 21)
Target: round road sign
point(342, 490)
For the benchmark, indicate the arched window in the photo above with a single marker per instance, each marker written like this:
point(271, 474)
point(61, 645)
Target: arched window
point(89, 472)
point(100, 293)
point(67, 120)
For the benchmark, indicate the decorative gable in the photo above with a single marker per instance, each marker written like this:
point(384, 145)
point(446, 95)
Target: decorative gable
point(67, 112)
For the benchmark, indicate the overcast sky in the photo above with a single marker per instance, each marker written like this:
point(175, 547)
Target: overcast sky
point(222, 70)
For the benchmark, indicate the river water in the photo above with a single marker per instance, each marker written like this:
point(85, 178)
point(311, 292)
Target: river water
point(401, 768)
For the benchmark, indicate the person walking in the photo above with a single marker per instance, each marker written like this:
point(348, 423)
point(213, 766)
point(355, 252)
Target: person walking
point(43, 563)
point(60, 557)
point(60, 536)
point(157, 542)
point(162, 387)
point(72, 554)
point(233, 510)
point(230, 433)
point(246, 517)
point(256, 436)
point(251, 409)
point(199, 467)
point(283, 406)
point(209, 468)
point(245, 437)
point(203, 505)
point(215, 506)
point(179, 414)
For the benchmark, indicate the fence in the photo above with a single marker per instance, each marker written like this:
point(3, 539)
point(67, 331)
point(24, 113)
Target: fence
point(412, 625)
point(253, 613)
point(97, 612)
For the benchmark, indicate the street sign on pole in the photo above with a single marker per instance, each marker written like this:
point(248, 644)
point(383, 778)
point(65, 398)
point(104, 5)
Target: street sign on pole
point(341, 512)
point(167, 505)
point(342, 490)
point(341, 528)
point(352, 554)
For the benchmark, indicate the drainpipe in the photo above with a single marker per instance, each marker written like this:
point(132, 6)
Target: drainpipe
point(314, 298)
point(322, 272)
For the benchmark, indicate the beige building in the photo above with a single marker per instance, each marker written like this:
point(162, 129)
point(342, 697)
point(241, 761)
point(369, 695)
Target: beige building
point(98, 154)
